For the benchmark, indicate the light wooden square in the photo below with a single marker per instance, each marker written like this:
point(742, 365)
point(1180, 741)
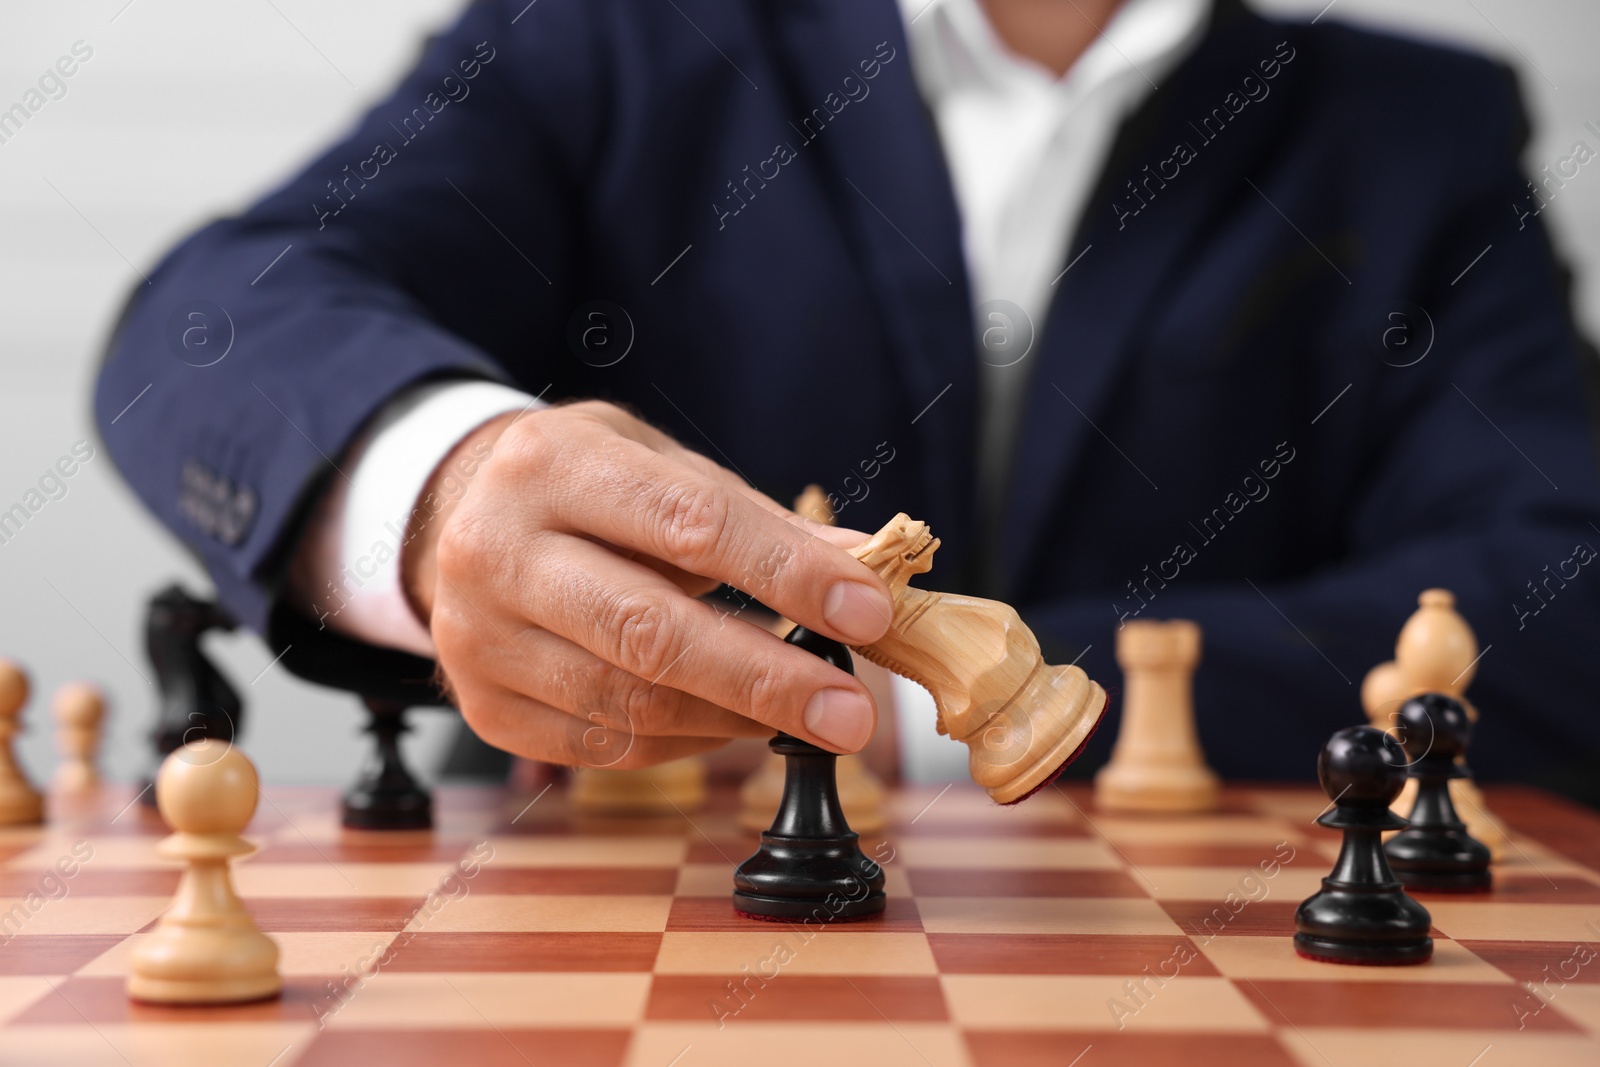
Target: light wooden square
point(538, 911)
point(772, 1044)
point(828, 952)
point(1043, 915)
point(1004, 853)
point(588, 851)
point(1274, 957)
point(1085, 1002)
point(475, 1000)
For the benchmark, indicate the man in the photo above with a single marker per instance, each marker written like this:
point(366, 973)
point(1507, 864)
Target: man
point(1151, 309)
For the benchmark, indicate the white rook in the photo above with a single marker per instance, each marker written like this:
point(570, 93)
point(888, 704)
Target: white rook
point(1157, 764)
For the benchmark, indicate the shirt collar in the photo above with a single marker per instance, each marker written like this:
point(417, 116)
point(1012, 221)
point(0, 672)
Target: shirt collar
point(954, 47)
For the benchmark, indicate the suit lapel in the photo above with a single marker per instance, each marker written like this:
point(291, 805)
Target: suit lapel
point(885, 176)
point(1101, 301)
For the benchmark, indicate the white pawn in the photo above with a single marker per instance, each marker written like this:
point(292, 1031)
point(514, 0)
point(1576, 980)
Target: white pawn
point(78, 709)
point(206, 948)
point(20, 803)
point(1437, 652)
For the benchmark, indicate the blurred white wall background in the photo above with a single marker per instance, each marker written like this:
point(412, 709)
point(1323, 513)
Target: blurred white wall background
point(187, 110)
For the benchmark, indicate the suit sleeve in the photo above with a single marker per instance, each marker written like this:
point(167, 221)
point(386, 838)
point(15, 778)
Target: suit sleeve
point(1478, 475)
point(408, 251)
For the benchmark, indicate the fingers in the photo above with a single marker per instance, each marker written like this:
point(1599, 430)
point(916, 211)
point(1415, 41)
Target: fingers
point(523, 725)
point(553, 670)
point(586, 539)
point(633, 497)
point(638, 622)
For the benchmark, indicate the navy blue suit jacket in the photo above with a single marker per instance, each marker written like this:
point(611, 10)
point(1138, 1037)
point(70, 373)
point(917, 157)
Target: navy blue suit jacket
point(1311, 357)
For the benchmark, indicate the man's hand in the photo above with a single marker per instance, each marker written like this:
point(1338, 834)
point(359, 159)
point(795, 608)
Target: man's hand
point(560, 591)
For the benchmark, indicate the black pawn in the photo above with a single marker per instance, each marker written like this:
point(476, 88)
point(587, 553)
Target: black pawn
point(809, 865)
point(386, 797)
point(1435, 852)
point(1362, 915)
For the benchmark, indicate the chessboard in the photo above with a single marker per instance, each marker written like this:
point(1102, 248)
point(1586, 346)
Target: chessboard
point(518, 932)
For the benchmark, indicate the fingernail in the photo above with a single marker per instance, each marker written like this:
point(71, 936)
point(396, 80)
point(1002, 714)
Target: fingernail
point(858, 611)
point(841, 717)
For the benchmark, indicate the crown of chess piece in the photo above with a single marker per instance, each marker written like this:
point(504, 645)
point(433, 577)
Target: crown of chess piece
point(1361, 914)
point(1022, 719)
point(20, 802)
point(205, 949)
point(79, 710)
point(1436, 652)
point(809, 865)
point(1157, 764)
point(1435, 852)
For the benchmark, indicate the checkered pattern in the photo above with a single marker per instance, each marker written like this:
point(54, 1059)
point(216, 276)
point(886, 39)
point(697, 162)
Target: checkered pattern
point(520, 933)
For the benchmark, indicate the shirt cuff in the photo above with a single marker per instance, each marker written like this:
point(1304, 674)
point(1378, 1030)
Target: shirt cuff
point(350, 559)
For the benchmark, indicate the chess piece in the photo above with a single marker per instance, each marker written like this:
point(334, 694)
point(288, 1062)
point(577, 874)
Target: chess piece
point(1436, 652)
point(196, 700)
point(861, 794)
point(1022, 719)
point(20, 802)
point(1157, 764)
point(1362, 915)
point(79, 709)
point(1435, 852)
point(809, 865)
point(386, 796)
point(673, 787)
point(206, 948)
point(812, 503)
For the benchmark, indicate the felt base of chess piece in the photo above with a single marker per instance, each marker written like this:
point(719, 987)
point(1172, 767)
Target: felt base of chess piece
point(1061, 768)
point(861, 794)
point(809, 865)
point(665, 789)
point(1435, 852)
point(386, 796)
point(1362, 915)
point(205, 949)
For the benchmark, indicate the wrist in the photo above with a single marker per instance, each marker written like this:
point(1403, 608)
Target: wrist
point(441, 494)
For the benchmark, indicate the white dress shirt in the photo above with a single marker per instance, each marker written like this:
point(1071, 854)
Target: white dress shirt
point(1024, 149)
